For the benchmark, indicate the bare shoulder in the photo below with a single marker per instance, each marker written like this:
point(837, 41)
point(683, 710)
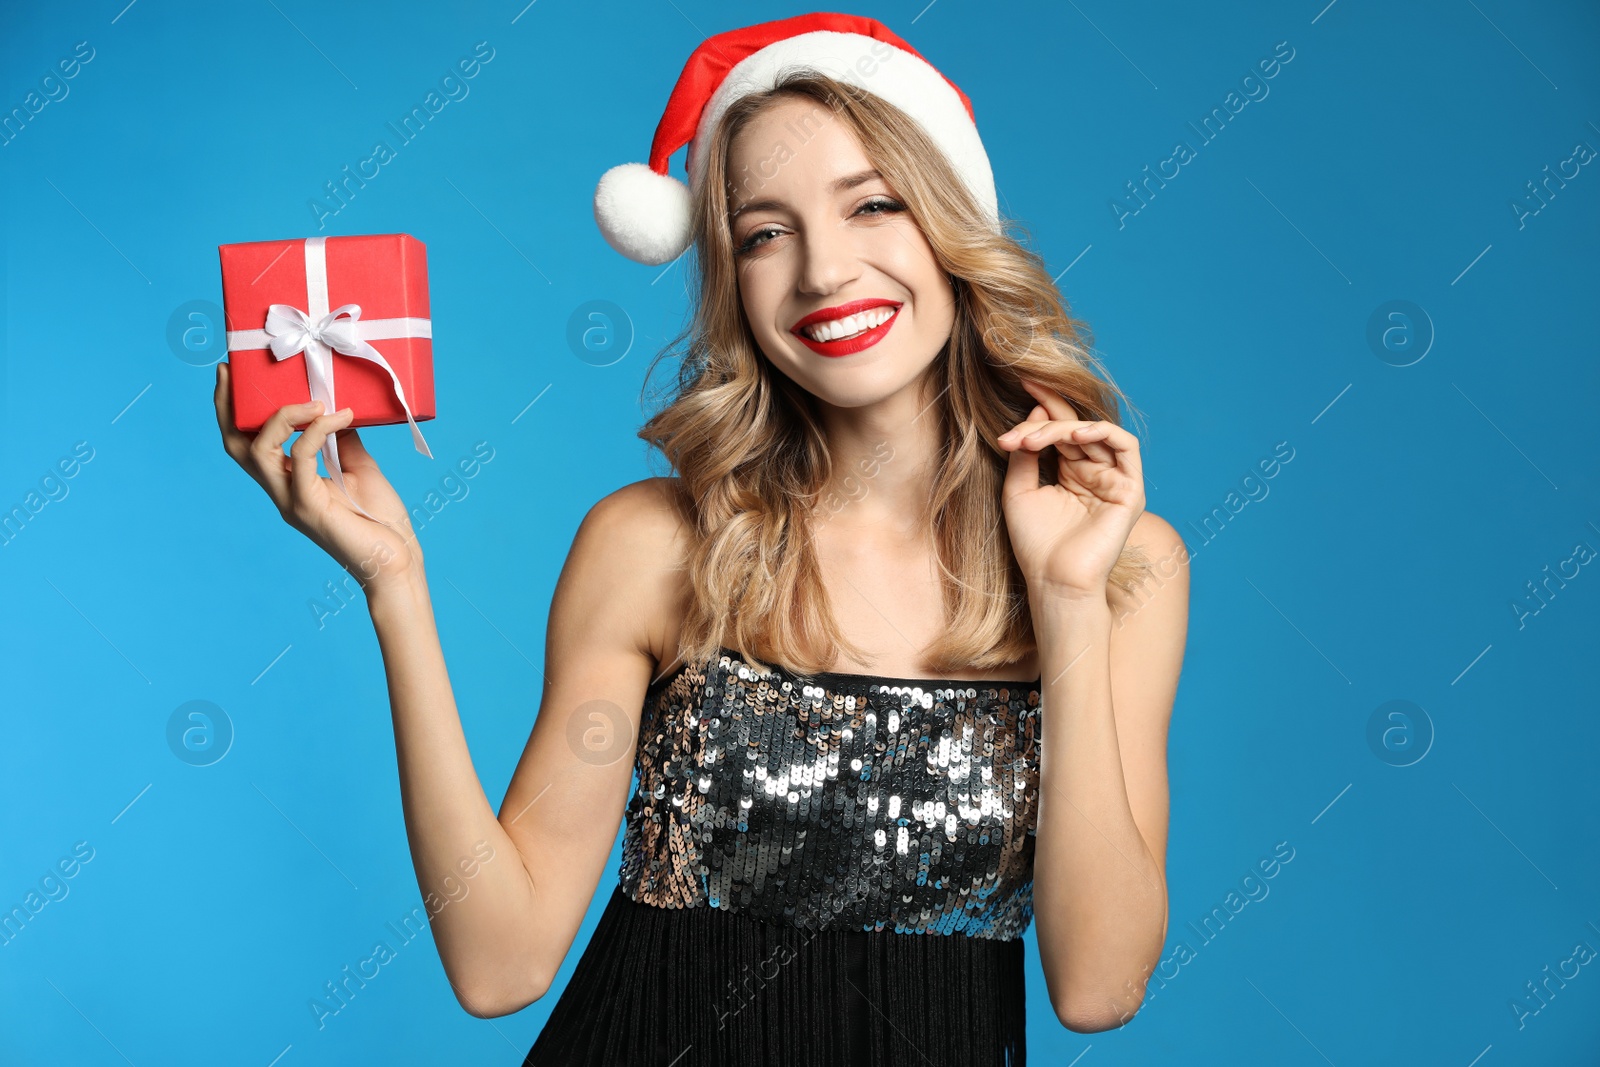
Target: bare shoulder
point(649, 507)
point(1163, 547)
point(636, 536)
point(642, 525)
point(1153, 533)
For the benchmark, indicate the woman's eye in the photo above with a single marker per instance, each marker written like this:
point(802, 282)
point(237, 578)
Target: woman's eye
point(751, 241)
point(889, 206)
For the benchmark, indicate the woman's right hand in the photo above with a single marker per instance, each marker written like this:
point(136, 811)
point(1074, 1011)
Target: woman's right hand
point(312, 504)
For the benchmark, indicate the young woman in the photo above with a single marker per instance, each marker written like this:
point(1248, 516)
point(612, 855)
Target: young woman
point(902, 491)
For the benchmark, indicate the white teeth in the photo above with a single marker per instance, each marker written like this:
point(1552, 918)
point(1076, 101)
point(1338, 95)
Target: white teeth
point(838, 329)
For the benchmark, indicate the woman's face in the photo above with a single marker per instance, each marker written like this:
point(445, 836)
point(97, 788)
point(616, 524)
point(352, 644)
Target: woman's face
point(817, 243)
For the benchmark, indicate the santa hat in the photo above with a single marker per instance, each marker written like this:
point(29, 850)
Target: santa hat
point(644, 212)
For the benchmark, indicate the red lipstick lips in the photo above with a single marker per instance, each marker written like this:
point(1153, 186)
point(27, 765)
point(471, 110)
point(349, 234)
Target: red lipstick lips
point(848, 345)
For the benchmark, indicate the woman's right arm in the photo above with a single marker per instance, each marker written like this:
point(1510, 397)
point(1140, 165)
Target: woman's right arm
point(504, 940)
point(515, 886)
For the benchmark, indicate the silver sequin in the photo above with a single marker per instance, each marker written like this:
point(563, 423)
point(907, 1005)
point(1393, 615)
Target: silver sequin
point(845, 802)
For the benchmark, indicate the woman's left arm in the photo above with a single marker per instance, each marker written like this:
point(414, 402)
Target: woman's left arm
point(1109, 663)
point(1110, 675)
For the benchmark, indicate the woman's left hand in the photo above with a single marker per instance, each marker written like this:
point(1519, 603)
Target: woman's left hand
point(1068, 536)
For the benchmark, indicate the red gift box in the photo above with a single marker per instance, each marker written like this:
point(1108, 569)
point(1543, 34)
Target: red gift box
point(316, 281)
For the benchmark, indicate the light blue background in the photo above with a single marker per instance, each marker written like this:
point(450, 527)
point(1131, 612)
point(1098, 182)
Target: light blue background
point(1381, 563)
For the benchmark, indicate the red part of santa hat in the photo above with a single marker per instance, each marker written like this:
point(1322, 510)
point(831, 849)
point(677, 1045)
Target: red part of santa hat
point(643, 212)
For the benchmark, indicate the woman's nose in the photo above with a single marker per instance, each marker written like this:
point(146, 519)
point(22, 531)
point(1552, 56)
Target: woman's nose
point(829, 261)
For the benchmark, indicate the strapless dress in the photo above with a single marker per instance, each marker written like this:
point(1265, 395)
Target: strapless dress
point(817, 870)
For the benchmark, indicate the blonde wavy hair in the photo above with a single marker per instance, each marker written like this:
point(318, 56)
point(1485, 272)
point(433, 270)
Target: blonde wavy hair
point(752, 457)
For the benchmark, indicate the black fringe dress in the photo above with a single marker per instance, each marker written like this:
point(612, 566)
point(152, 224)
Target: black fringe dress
point(818, 870)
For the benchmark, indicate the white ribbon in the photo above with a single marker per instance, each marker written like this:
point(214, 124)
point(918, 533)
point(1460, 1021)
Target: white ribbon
point(319, 333)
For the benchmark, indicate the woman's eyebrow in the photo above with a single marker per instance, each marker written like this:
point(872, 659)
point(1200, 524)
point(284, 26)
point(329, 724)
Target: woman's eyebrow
point(849, 181)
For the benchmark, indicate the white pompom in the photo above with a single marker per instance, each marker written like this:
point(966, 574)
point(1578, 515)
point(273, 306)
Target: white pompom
point(642, 214)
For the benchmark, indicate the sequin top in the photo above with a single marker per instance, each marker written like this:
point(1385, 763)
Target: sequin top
point(836, 801)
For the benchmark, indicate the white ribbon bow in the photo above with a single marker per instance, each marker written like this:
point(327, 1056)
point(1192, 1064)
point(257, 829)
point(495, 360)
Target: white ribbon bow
point(319, 334)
